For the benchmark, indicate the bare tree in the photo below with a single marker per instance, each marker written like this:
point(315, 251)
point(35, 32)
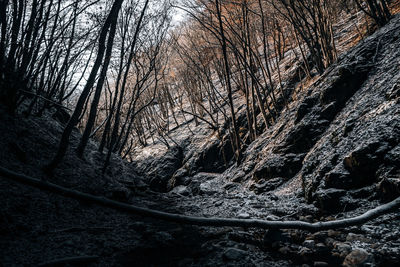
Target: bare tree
point(376, 9)
point(62, 148)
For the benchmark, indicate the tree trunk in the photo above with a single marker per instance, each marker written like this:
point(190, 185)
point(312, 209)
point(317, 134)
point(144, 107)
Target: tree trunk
point(64, 142)
point(99, 87)
point(236, 136)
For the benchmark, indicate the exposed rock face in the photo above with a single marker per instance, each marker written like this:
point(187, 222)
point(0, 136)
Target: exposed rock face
point(351, 153)
point(342, 135)
point(278, 166)
point(216, 157)
point(339, 137)
point(160, 170)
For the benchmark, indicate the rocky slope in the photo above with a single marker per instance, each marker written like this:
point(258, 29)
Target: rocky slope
point(333, 153)
point(336, 144)
point(337, 138)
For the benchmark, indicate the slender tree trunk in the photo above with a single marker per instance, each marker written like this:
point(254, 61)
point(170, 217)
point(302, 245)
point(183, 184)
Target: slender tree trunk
point(64, 142)
point(99, 87)
point(114, 134)
point(236, 136)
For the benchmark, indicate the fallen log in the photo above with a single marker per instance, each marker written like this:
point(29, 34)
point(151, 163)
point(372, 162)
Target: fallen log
point(203, 221)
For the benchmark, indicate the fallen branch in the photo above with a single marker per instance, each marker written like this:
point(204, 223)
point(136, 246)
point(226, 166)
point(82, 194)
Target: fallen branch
point(45, 99)
point(80, 229)
point(70, 260)
point(204, 221)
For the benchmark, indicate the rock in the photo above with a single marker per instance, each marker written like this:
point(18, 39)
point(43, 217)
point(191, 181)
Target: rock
point(180, 177)
point(243, 216)
point(389, 188)
point(355, 237)
point(218, 203)
point(141, 185)
point(194, 187)
point(181, 190)
point(321, 248)
point(285, 250)
point(330, 199)
point(278, 166)
point(248, 166)
point(333, 233)
point(330, 242)
point(358, 257)
point(272, 217)
point(231, 185)
point(305, 253)
point(394, 92)
point(343, 249)
point(364, 192)
point(318, 236)
point(300, 138)
point(233, 254)
point(304, 108)
point(309, 244)
point(207, 188)
point(264, 186)
point(368, 229)
point(329, 111)
point(345, 84)
point(273, 197)
point(393, 156)
point(363, 162)
point(349, 126)
point(272, 236)
point(212, 156)
point(320, 264)
point(338, 178)
point(362, 116)
point(163, 168)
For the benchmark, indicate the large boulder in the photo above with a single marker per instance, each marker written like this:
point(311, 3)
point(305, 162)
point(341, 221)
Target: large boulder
point(159, 170)
point(285, 166)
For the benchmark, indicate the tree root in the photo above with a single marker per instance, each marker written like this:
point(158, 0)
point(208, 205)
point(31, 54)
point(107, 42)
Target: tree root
point(203, 221)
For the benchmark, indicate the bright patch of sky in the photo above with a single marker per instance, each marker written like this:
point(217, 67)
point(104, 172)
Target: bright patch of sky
point(178, 14)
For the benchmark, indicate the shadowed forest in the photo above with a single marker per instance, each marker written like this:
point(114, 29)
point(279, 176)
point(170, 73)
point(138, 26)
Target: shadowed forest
point(199, 133)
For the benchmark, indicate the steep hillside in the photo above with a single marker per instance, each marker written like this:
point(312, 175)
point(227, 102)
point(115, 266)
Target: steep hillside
point(341, 136)
point(336, 145)
point(338, 135)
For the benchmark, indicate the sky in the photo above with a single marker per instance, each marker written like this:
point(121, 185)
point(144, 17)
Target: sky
point(179, 15)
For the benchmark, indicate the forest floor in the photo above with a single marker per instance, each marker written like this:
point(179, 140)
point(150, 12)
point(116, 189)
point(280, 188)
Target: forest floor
point(38, 227)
